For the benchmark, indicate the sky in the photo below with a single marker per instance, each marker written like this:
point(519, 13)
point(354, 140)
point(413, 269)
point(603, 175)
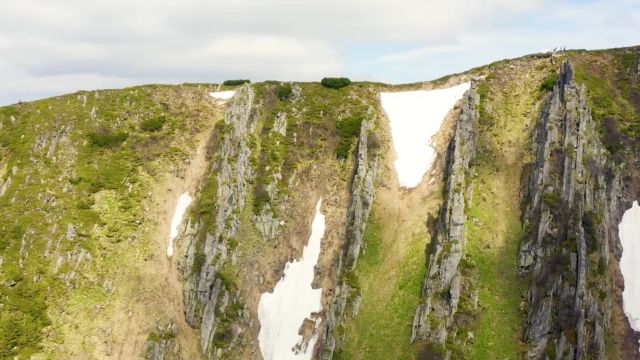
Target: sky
point(50, 48)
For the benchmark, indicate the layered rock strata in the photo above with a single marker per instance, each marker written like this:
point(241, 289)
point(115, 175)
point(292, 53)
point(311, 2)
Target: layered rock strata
point(570, 201)
point(345, 295)
point(211, 302)
point(434, 317)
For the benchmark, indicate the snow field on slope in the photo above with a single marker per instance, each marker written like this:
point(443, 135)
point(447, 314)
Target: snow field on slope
point(282, 312)
point(415, 117)
point(181, 207)
point(629, 231)
point(222, 95)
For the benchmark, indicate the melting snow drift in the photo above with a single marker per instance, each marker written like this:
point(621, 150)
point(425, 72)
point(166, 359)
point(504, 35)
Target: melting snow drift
point(222, 95)
point(282, 312)
point(629, 231)
point(415, 117)
point(181, 207)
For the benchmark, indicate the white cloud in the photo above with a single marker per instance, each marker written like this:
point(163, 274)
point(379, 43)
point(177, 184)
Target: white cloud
point(48, 46)
point(416, 53)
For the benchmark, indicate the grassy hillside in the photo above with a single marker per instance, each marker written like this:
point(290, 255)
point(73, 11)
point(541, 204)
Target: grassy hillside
point(81, 167)
point(510, 99)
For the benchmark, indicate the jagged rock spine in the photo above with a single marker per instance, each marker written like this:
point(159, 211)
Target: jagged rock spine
point(442, 286)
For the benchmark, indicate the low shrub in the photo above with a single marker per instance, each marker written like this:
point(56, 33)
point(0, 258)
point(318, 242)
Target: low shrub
point(198, 262)
point(105, 137)
point(235, 82)
point(335, 83)
point(153, 124)
point(284, 92)
point(549, 82)
point(552, 199)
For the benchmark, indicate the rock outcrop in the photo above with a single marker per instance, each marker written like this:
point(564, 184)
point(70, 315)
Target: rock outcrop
point(434, 317)
point(162, 344)
point(267, 222)
point(270, 191)
point(570, 200)
point(363, 189)
point(210, 300)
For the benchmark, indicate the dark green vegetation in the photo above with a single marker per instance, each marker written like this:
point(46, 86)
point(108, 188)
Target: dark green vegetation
point(613, 90)
point(235, 82)
point(153, 124)
point(105, 137)
point(348, 128)
point(549, 82)
point(284, 92)
point(335, 83)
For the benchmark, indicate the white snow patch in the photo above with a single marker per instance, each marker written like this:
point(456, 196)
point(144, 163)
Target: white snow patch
point(629, 231)
point(415, 117)
point(282, 312)
point(222, 95)
point(181, 207)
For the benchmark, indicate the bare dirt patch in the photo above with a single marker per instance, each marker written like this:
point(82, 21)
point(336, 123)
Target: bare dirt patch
point(155, 290)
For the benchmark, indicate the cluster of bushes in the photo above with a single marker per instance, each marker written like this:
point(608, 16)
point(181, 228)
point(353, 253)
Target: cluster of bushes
point(284, 92)
point(335, 83)
point(235, 82)
point(153, 124)
point(105, 137)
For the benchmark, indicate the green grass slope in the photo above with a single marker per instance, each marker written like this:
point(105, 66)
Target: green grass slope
point(80, 167)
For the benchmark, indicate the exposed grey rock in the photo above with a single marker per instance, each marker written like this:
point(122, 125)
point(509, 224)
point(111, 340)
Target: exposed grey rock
point(76, 259)
point(107, 286)
point(204, 292)
point(266, 223)
point(567, 205)
point(280, 123)
point(5, 185)
point(71, 232)
point(60, 136)
point(441, 289)
point(161, 343)
point(362, 194)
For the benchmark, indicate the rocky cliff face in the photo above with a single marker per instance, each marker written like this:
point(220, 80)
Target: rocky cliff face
point(434, 319)
point(569, 197)
point(345, 296)
point(210, 301)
